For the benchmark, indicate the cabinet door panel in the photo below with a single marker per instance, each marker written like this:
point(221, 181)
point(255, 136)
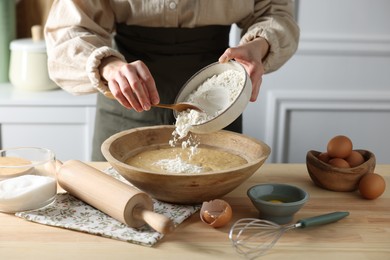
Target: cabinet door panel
point(43, 114)
point(68, 141)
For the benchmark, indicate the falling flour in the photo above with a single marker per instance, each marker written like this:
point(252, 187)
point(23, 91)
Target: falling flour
point(214, 96)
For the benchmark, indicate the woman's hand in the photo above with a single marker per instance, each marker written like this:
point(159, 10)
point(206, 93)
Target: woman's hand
point(130, 83)
point(250, 55)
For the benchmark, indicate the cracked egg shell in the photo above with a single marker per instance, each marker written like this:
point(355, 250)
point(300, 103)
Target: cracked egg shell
point(216, 213)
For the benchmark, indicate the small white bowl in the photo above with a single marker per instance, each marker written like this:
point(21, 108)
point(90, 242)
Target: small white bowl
point(233, 111)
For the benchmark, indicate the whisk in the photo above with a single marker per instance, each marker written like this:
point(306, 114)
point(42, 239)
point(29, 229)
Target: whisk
point(253, 237)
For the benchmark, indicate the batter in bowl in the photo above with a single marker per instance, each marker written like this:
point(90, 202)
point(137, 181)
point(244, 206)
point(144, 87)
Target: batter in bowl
point(179, 160)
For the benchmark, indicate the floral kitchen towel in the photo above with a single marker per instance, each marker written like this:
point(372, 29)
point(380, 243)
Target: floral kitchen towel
point(71, 213)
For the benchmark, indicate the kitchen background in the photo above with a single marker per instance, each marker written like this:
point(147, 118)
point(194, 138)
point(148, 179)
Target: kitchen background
point(338, 82)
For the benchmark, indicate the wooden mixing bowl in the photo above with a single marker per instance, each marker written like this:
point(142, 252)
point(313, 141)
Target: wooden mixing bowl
point(185, 188)
point(338, 179)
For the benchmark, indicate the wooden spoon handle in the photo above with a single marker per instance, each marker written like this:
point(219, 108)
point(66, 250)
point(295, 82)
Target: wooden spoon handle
point(178, 107)
point(164, 106)
point(109, 95)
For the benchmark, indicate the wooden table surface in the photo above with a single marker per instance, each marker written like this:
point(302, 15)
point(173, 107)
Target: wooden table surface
point(364, 234)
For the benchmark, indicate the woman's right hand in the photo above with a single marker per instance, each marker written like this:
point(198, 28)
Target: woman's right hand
point(131, 84)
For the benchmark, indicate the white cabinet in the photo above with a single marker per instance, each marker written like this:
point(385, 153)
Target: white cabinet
point(52, 119)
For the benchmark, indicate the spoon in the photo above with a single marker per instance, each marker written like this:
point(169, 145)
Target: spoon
point(179, 107)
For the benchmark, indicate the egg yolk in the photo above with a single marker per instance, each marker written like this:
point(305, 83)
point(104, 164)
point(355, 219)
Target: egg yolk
point(275, 201)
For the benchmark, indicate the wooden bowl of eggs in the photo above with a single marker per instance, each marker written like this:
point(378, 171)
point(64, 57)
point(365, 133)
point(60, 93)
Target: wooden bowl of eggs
point(340, 168)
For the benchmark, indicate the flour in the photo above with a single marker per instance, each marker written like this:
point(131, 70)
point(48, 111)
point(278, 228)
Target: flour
point(178, 165)
point(214, 96)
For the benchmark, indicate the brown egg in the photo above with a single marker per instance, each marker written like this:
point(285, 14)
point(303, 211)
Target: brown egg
point(339, 163)
point(339, 147)
point(355, 159)
point(216, 213)
point(371, 186)
point(324, 157)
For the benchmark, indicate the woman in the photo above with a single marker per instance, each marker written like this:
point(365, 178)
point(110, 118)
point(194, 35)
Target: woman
point(159, 45)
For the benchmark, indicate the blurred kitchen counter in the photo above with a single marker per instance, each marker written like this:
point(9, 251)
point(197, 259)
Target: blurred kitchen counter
point(364, 234)
point(9, 95)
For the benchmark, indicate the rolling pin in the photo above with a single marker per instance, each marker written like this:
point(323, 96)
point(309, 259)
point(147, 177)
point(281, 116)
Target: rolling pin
point(115, 198)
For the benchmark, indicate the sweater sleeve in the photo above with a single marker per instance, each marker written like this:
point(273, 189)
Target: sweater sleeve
point(78, 36)
point(274, 21)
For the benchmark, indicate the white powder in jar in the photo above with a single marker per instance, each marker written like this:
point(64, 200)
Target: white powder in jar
point(214, 96)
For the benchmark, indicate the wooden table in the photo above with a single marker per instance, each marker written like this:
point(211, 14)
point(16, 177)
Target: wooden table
point(365, 234)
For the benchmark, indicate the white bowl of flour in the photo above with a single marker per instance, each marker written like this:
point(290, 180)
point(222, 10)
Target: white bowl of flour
point(222, 90)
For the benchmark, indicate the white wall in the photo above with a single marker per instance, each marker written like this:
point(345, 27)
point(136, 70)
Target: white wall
point(338, 82)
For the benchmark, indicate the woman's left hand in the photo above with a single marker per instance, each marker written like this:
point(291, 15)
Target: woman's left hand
point(250, 55)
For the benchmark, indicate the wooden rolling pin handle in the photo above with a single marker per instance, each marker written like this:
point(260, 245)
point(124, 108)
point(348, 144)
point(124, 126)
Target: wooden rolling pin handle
point(158, 222)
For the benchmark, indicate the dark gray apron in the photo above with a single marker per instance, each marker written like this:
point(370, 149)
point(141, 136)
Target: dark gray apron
point(172, 55)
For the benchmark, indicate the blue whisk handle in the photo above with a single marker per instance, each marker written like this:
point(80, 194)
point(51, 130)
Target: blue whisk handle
point(322, 219)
